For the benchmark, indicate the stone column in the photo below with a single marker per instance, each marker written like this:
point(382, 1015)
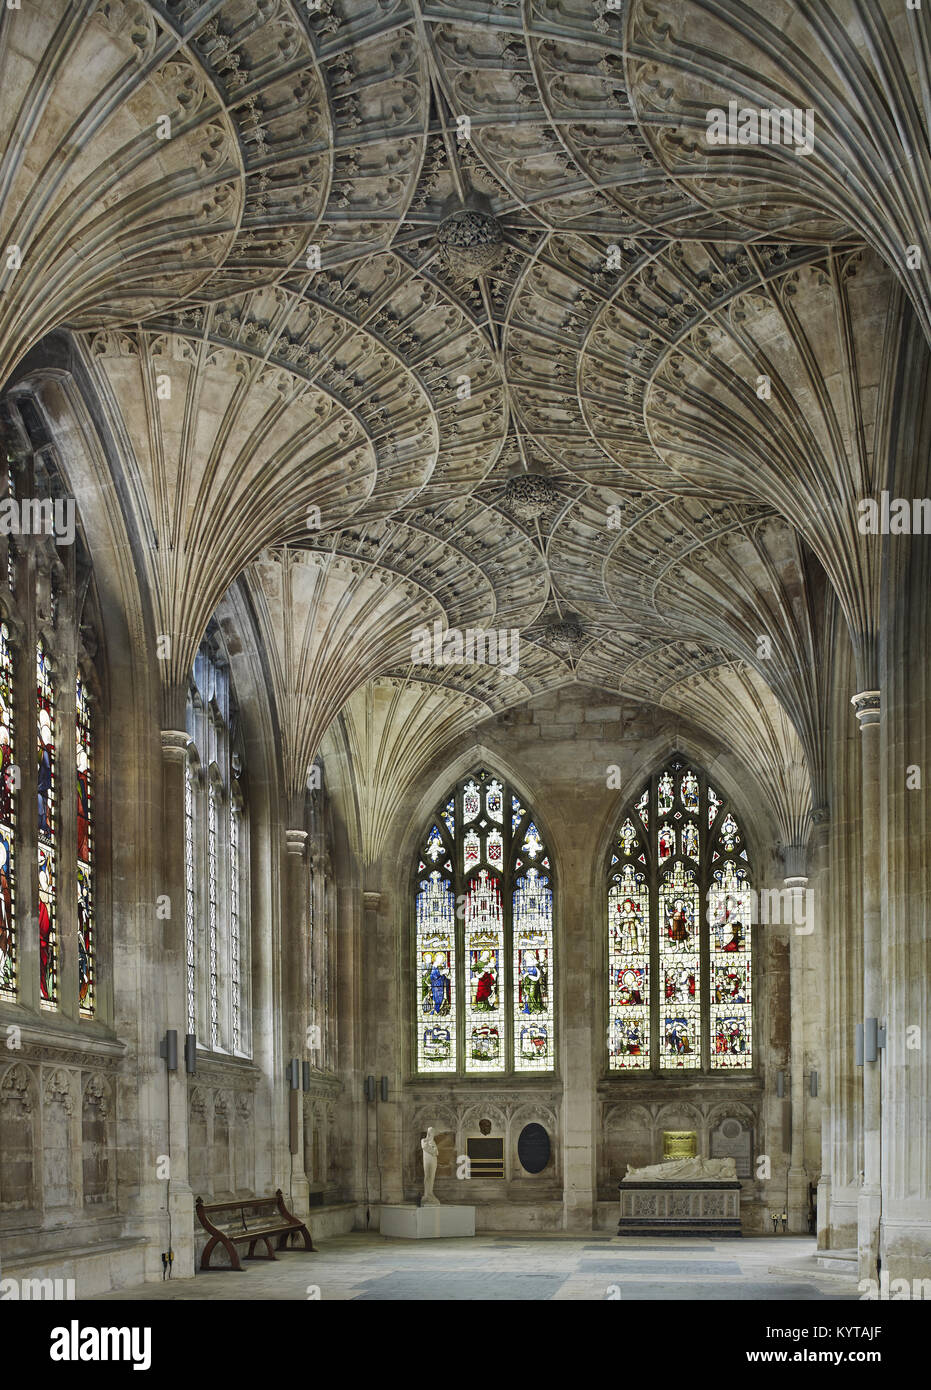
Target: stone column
point(294, 998)
point(796, 883)
point(579, 1039)
point(867, 708)
point(174, 971)
point(379, 1008)
point(819, 1044)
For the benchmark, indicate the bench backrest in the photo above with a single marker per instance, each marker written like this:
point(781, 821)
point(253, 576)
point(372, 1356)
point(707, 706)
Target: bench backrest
point(246, 1204)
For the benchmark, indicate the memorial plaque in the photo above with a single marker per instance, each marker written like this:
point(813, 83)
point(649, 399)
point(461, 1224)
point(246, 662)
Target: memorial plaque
point(533, 1148)
point(732, 1140)
point(486, 1157)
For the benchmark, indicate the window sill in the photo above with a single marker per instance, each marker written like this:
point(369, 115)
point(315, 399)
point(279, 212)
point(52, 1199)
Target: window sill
point(485, 1079)
point(51, 1030)
point(748, 1080)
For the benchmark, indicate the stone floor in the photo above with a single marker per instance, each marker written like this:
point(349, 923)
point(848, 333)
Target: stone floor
point(370, 1267)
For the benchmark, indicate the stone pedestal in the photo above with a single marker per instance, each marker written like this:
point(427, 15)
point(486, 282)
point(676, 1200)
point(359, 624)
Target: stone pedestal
point(709, 1208)
point(426, 1223)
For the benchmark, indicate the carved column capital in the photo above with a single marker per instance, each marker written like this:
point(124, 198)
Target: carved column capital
point(371, 901)
point(795, 863)
point(866, 707)
point(296, 841)
point(175, 743)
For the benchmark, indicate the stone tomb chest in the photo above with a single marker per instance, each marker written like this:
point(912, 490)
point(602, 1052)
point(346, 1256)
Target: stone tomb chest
point(690, 1196)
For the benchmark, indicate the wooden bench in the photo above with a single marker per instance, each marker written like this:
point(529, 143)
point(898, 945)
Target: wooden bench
point(268, 1218)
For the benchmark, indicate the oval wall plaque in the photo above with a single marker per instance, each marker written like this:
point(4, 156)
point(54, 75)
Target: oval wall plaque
point(533, 1148)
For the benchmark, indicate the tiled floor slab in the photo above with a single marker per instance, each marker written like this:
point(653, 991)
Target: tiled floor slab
point(367, 1267)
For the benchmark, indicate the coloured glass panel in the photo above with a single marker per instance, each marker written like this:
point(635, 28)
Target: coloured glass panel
point(690, 840)
point(629, 971)
point(533, 953)
point(680, 977)
point(435, 847)
point(714, 806)
point(689, 792)
point(643, 807)
point(8, 943)
point(48, 831)
point(436, 959)
point(85, 865)
point(471, 849)
point(471, 803)
point(484, 944)
point(729, 923)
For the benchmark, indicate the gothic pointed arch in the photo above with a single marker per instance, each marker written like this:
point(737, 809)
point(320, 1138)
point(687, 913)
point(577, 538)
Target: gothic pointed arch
point(483, 935)
point(679, 929)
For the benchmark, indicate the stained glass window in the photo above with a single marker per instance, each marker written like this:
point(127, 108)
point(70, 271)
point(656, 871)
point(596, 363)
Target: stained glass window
point(8, 943)
point(85, 864)
point(679, 931)
point(48, 828)
point(484, 978)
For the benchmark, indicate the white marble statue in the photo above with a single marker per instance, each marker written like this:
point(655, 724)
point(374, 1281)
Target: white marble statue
point(429, 1170)
point(685, 1170)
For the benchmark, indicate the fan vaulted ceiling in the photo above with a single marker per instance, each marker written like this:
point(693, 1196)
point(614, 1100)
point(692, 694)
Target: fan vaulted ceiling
point(615, 344)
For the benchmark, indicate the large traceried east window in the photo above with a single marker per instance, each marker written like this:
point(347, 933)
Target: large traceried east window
point(483, 949)
point(679, 930)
